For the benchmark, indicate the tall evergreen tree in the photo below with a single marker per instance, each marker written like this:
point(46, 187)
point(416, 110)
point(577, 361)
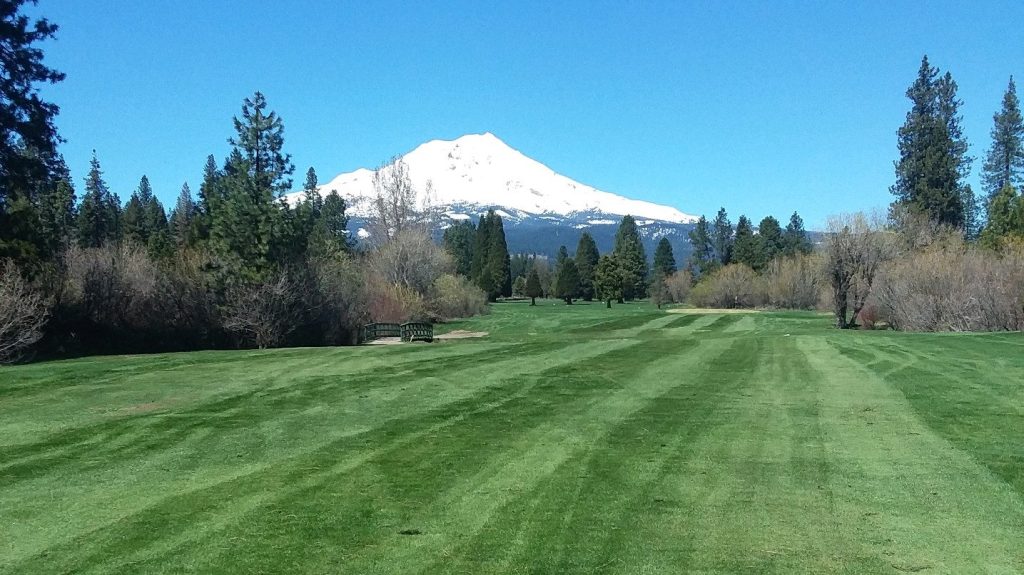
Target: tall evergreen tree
point(609, 279)
point(182, 223)
point(260, 138)
point(498, 263)
point(252, 231)
point(533, 288)
point(458, 240)
point(933, 152)
point(481, 249)
point(794, 239)
point(586, 264)
point(1004, 163)
point(702, 258)
point(28, 133)
point(633, 260)
point(747, 247)
point(771, 240)
point(330, 232)
point(99, 212)
point(567, 283)
point(57, 216)
point(664, 259)
point(721, 237)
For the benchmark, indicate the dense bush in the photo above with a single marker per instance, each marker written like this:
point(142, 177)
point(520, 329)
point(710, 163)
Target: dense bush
point(733, 286)
point(678, 286)
point(454, 296)
point(951, 287)
point(794, 282)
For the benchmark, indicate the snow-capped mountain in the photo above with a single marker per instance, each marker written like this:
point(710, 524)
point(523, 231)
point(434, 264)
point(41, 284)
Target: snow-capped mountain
point(479, 171)
point(463, 178)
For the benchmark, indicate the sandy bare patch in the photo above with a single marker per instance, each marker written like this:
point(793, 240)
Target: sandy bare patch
point(700, 310)
point(385, 341)
point(461, 334)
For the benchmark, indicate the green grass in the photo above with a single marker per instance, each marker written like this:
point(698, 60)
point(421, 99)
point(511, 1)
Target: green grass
point(572, 439)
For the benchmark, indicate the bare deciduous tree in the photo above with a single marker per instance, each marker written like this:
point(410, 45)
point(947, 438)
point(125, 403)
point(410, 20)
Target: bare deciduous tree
point(856, 247)
point(679, 285)
point(23, 313)
point(265, 313)
point(394, 205)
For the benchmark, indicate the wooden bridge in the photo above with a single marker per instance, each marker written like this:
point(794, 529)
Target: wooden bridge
point(410, 331)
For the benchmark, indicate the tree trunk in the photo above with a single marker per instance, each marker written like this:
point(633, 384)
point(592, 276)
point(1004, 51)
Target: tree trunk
point(533, 301)
point(609, 304)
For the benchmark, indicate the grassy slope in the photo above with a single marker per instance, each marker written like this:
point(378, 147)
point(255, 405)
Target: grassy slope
point(572, 439)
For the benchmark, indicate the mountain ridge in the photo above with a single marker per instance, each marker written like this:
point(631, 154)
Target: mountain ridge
point(477, 172)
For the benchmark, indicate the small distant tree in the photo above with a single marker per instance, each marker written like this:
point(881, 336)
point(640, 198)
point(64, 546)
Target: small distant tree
point(568, 283)
point(721, 237)
point(519, 286)
point(794, 239)
point(99, 213)
point(747, 248)
point(771, 239)
point(664, 259)
point(183, 218)
point(609, 280)
point(702, 259)
point(533, 287)
point(586, 262)
point(629, 251)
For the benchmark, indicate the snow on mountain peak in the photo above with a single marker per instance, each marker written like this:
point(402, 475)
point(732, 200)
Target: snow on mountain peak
point(481, 171)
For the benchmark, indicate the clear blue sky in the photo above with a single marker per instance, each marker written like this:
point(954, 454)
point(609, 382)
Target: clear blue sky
point(763, 107)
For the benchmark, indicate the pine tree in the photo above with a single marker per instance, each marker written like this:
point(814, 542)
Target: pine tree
point(533, 288)
point(630, 252)
point(134, 220)
point(252, 231)
point(794, 239)
point(1004, 163)
point(721, 237)
point(702, 259)
point(586, 263)
point(567, 284)
point(933, 152)
point(330, 232)
point(748, 248)
point(260, 138)
point(563, 254)
point(609, 279)
point(498, 264)
point(182, 224)
point(664, 259)
point(1005, 217)
point(28, 133)
point(458, 240)
point(770, 239)
point(57, 216)
point(481, 250)
point(99, 211)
